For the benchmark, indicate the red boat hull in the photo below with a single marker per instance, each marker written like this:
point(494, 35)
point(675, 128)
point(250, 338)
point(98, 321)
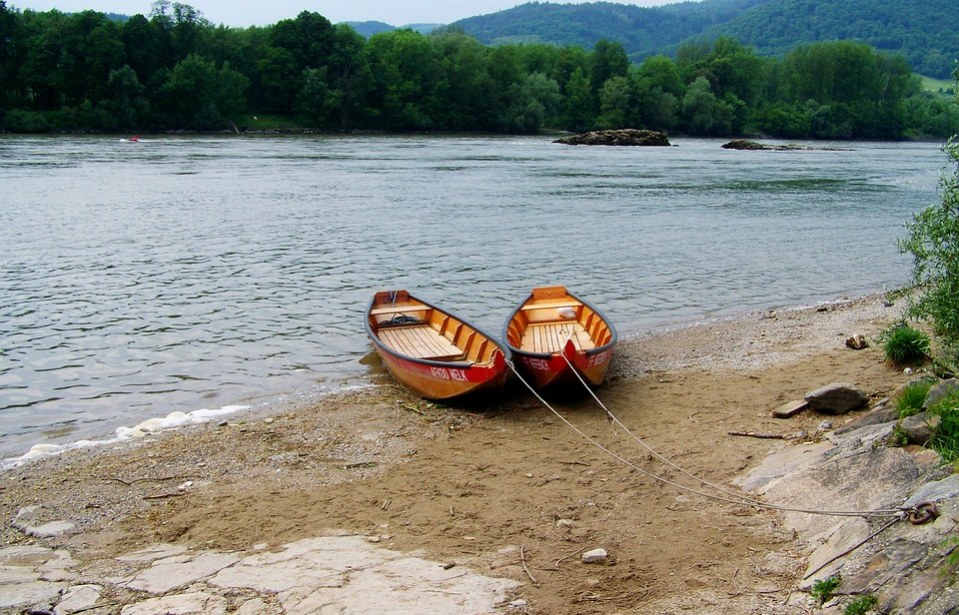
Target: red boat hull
point(559, 341)
point(443, 382)
point(436, 354)
point(553, 371)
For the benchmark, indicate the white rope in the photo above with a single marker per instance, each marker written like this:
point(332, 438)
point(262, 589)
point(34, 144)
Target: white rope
point(735, 498)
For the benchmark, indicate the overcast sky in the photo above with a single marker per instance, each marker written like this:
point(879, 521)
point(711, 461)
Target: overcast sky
point(264, 12)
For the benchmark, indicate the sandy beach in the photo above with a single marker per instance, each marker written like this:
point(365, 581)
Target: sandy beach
point(507, 490)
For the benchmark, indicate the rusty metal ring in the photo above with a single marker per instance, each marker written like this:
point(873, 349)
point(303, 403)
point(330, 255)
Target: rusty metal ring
point(923, 513)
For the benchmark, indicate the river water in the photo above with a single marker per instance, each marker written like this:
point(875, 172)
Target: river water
point(178, 274)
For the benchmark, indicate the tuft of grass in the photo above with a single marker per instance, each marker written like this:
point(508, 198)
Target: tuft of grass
point(946, 439)
point(905, 345)
point(898, 438)
point(822, 590)
point(861, 605)
point(912, 396)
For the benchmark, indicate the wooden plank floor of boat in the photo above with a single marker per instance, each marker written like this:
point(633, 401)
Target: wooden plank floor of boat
point(419, 341)
point(551, 336)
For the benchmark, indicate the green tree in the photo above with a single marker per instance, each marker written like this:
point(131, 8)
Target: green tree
point(860, 92)
point(349, 77)
point(464, 86)
point(404, 70)
point(39, 73)
point(148, 46)
point(704, 113)
point(308, 38)
point(533, 101)
point(608, 60)
point(659, 90)
point(277, 81)
point(506, 79)
point(617, 101)
point(127, 107)
point(9, 40)
point(197, 95)
point(578, 113)
point(316, 101)
point(930, 116)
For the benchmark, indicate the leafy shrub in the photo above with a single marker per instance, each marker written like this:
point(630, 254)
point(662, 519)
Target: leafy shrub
point(823, 589)
point(934, 243)
point(25, 122)
point(906, 346)
point(912, 396)
point(861, 605)
point(946, 439)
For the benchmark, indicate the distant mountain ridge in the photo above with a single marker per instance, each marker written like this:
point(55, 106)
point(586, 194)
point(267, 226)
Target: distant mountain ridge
point(925, 32)
point(371, 28)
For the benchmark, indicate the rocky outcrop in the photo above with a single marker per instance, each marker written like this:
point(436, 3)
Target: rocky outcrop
point(940, 390)
point(746, 145)
point(888, 506)
point(919, 428)
point(327, 573)
point(885, 555)
point(743, 144)
point(626, 136)
point(836, 398)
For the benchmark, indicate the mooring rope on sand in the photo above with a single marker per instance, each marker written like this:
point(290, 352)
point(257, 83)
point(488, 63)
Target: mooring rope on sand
point(921, 513)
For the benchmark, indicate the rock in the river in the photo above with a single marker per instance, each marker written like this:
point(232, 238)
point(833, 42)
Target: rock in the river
point(744, 144)
point(626, 136)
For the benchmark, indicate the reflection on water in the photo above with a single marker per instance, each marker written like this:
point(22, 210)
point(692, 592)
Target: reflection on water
point(180, 273)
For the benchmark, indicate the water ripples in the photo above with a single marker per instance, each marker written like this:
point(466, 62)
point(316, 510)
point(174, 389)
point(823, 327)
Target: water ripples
point(178, 273)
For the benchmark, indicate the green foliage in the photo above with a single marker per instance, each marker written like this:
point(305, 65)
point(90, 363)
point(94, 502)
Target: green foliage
point(26, 122)
point(174, 70)
point(933, 241)
point(903, 345)
point(912, 396)
point(822, 589)
point(898, 438)
point(946, 439)
point(861, 605)
point(952, 559)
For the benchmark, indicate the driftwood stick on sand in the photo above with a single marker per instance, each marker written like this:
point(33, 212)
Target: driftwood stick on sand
point(522, 558)
point(753, 434)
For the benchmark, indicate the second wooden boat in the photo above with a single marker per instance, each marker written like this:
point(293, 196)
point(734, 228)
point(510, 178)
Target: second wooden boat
point(554, 336)
point(436, 354)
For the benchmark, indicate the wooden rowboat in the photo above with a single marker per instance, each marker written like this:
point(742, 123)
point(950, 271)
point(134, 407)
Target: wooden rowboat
point(439, 356)
point(554, 335)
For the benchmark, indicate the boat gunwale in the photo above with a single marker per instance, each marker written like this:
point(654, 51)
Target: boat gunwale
point(614, 335)
point(460, 364)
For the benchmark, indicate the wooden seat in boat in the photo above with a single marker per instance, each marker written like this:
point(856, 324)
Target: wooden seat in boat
point(550, 337)
point(421, 342)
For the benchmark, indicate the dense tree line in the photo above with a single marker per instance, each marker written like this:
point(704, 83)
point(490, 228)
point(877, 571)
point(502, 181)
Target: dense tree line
point(174, 70)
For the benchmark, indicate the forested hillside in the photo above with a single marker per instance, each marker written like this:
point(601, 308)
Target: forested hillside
point(173, 70)
point(926, 32)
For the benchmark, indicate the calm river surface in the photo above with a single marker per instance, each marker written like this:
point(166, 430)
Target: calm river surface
point(176, 274)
